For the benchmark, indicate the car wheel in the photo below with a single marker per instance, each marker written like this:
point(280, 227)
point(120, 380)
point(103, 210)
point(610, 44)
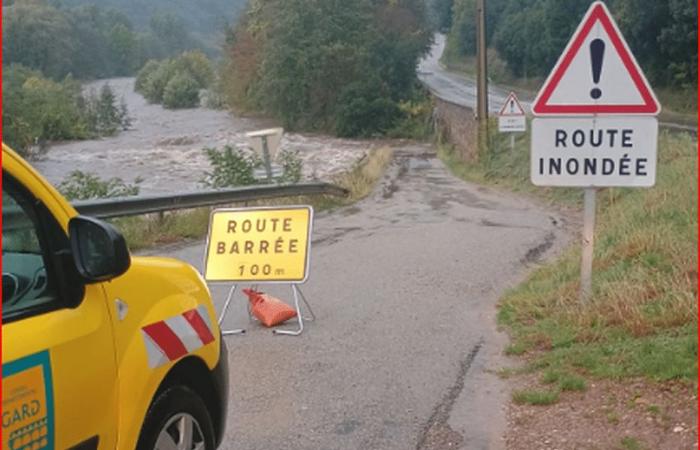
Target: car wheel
point(177, 420)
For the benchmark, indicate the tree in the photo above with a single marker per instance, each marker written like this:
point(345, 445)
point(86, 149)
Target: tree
point(38, 36)
point(297, 58)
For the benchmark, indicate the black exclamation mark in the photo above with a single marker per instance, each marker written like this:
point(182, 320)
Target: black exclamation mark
point(597, 53)
point(512, 106)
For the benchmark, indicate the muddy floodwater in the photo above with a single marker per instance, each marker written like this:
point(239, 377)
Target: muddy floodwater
point(164, 148)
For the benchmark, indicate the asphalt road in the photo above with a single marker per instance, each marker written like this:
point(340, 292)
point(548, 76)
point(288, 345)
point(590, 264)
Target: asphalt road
point(404, 286)
point(458, 88)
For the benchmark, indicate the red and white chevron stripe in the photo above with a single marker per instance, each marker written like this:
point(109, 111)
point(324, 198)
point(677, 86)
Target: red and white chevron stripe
point(173, 338)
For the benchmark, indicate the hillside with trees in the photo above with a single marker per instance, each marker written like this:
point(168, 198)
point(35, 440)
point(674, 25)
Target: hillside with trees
point(529, 35)
point(329, 65)
point(88, 41)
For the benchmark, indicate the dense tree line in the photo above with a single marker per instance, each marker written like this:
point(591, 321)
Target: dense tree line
point(86, 41)
point(206, 20)
point(529, 35)
point(327, 64)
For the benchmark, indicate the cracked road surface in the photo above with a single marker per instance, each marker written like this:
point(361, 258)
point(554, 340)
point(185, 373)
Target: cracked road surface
point(404, 286)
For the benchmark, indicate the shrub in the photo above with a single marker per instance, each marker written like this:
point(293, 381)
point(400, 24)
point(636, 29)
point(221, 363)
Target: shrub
point(142, 77)
point(231, 167)
point(83, 186)
point(102, 114)
point(175, 82)
point(38, 110)
point(291, 167)
point(364, 111)
point(182, 91)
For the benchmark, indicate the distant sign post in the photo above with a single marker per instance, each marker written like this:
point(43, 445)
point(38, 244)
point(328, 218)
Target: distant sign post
point(265, 143)
point(259, 245)
point(595, 122)
point(511, 118)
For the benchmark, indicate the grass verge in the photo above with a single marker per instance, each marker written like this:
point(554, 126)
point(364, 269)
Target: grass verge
point(641, 320)
point(147, 231)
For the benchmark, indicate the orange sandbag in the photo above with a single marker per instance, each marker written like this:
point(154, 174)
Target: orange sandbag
point(269, 310)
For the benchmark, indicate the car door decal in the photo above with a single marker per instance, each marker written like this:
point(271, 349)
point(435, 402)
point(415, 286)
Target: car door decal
point(170, 339)
point(27, 403)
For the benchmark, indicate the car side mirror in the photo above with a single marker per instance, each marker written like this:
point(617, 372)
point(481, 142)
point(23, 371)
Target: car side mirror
point(99, 250)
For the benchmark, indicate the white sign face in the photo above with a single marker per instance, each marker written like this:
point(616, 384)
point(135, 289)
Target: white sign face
point(596, 74)
point(594, 151)
point(512, 124)
point(273, 137)
point(511, 118)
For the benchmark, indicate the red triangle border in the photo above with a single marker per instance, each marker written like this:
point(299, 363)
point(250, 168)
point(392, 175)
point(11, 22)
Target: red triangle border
point(515, 98)
point(598, 13)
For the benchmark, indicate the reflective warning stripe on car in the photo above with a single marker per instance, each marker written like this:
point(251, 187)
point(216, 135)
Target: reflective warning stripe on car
point(173, 338)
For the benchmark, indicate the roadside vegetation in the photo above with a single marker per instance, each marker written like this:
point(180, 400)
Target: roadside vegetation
point(642, 319)
point(662, 35)
point(38, 110)
point(143, 232)
point(352, 73)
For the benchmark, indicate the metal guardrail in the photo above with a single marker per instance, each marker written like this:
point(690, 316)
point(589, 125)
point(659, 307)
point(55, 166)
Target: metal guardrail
point(134, 206)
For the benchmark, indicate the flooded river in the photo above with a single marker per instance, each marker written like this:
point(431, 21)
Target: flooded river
point(164, 148)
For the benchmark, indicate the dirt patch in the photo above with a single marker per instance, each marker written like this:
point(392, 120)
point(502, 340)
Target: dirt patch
point(631, 414)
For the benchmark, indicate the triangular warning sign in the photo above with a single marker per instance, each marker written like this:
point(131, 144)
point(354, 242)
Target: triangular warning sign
point(512, 106)
point(596, 74)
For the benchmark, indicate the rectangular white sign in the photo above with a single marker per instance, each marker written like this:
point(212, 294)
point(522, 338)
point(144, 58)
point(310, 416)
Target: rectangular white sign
point(594, 151)
point(512, 124)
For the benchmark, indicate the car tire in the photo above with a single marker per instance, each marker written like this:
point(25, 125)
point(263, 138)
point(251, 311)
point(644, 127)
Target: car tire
point(175, 411)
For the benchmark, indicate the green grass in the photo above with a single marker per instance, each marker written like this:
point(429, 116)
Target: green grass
point(142, 232)
point(641, 321)
point(630, 443)
point(536, 397)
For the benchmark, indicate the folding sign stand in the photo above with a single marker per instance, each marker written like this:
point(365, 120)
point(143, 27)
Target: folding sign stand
point(296, 291)
point(260, 245)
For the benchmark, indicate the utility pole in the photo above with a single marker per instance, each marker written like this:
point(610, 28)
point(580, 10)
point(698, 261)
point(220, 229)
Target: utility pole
point(482, 110)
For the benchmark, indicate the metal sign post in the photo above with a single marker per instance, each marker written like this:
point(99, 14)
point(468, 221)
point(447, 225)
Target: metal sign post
point(596, 124)
point(589, 195)
point(260, 246)
point(266, 143)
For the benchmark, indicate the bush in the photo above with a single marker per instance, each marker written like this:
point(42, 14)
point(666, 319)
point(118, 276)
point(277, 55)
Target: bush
point(175, 82)
point(182, 91)
point(291, 167)
point(364, 111)
point(142, 77)
point(232, 167)
point(102, 114)
point(83, 186)
point(38, 110)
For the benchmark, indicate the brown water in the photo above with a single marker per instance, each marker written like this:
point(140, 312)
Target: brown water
point(164, 147)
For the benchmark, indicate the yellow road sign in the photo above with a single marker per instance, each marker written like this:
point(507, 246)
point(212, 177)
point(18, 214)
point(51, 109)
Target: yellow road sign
point(259, 244)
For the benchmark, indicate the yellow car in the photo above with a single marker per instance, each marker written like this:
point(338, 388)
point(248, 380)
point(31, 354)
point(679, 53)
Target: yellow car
point(100, 349)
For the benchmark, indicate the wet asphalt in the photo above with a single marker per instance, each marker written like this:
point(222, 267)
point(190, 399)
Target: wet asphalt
point(404, 286)
point(459, 88)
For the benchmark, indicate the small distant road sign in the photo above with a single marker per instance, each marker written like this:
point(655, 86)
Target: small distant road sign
point(511, 118)
point(259, 245)
point(265, 143)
